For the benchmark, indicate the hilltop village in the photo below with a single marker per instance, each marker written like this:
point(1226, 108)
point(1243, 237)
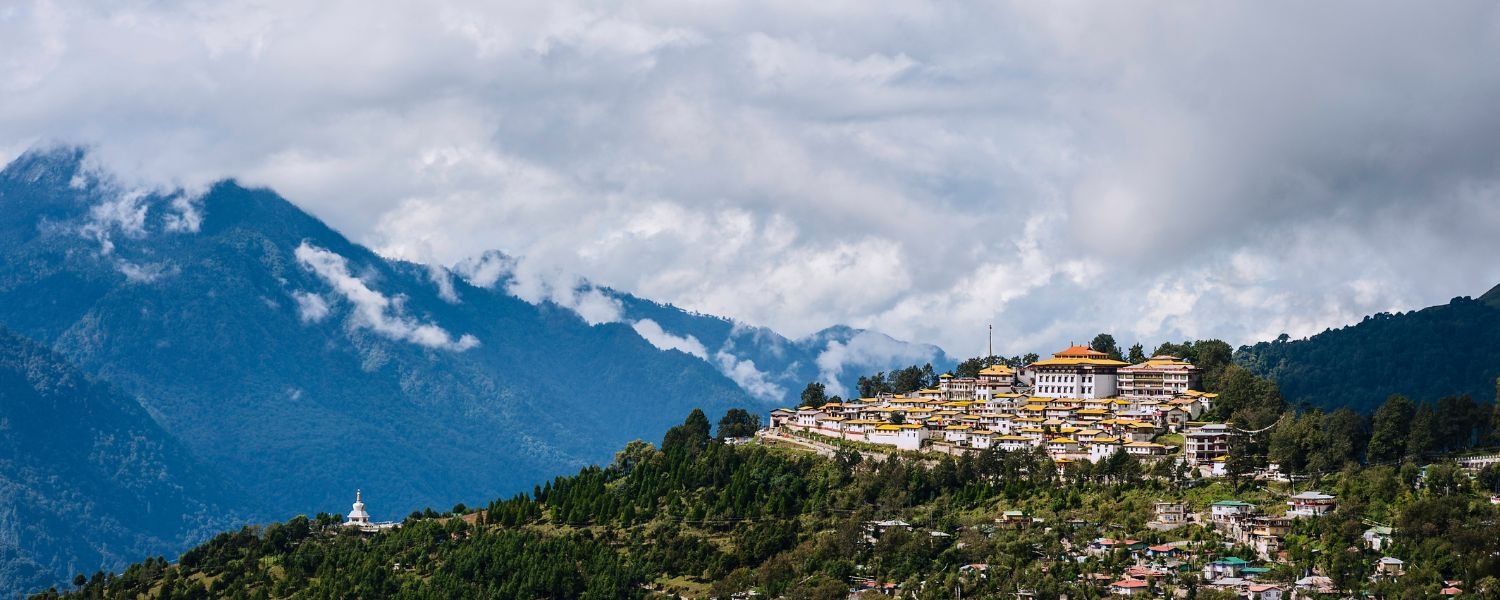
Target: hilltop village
point(1078, 405)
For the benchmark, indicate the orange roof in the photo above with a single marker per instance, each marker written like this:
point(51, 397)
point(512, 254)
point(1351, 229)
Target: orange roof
point(1079, 352)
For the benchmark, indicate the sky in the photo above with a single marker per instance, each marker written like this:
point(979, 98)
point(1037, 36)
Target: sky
point(1157, 170)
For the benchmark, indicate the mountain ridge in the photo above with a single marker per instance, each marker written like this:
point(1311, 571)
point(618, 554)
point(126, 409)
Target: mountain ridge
point(1455, 347)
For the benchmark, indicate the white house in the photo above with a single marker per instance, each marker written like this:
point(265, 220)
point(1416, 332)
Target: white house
point(1310, 504)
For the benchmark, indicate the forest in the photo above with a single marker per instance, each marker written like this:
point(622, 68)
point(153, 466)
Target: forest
point(706, 515)
point(1446, 350)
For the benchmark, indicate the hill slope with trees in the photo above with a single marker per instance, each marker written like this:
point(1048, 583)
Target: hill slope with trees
point(1447, 350)
point(88, 480)
point(702, 518)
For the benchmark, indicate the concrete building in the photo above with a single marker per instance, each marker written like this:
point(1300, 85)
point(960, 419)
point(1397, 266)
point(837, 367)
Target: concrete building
point(1311, 504)
point(1207, 443)
point(1162, 378)
point(1077, 372)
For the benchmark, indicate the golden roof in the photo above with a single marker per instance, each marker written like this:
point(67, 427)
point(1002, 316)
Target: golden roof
point(997, 370)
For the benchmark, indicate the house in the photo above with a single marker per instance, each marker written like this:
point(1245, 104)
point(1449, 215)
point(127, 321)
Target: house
point(1206, 443)
point(907, 436)
point(1014, 519)
point(1145, 449)
point(1257, 591)
point(1390, 567)
point(1171, 513)
point(1310, 504)
point(1130, 587)
point(1225, 510)
point(1062, 446)
point(1378, 537)
point(1163, 551)
point(1232, 566)
point(1159, 377)
point(1012, 443)
point(1316, 584)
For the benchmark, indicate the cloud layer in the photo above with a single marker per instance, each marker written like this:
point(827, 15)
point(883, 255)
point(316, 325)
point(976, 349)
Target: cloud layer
point(371, 309)
point(1232, 170)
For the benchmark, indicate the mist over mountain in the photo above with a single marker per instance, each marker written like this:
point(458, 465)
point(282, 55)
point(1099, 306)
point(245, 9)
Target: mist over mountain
point(304, 365)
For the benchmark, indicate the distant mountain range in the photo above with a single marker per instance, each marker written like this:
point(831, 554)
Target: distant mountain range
point(1445, 350)
point(299, 365)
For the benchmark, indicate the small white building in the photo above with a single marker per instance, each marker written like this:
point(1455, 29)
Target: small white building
point(1311, 504)
point(1225, 510)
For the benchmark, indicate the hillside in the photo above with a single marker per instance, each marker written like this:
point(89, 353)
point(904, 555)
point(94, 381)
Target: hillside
point(699, 519)
point(88, 480)
point(1426, 354)
point(306, 365)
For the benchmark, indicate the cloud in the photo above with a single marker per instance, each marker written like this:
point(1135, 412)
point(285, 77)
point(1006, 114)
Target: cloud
point(744, 373)
point(652, 332)
point(145, 272)
point(126, 214)
point(443, 279)
point(372, 310)
point(865, 349)
point(1056, 169)
point(311, 307)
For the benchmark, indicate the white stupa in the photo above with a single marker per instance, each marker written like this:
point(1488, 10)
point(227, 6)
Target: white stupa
point(357, 516)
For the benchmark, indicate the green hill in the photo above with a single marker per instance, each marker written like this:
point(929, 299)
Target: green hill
point(704, 519)
point(1446, 350)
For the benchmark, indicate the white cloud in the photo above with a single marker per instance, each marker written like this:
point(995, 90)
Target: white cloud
point(126, 213)
point(744, 373)
point(145, 272)
point(373, 310)
point(1056, 169)
point(443, 279)
point(652, 332)
point(863, 350)
point(311, 307)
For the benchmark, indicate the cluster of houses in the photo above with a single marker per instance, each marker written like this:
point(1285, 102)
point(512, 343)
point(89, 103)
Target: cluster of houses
point(1244, 524)
point(1157, 568)
point(1077, 405)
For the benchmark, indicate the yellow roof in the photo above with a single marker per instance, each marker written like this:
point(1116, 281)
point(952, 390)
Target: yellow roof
point(1093, 411)
point(1062, 440)
point(1014, 438)
point(997, 370)
point(956, 428)
point(1106, 440)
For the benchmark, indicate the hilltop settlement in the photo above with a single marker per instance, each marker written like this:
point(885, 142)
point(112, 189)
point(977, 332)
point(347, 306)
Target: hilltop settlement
point(1077, 405)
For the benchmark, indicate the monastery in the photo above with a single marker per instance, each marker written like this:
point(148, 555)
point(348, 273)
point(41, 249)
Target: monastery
point(1077, 405)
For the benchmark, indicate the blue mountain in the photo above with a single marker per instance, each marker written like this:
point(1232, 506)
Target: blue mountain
point(88, 480)
point(300, 365)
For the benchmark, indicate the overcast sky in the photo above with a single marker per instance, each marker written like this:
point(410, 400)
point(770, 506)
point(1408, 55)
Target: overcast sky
point(1159, 170)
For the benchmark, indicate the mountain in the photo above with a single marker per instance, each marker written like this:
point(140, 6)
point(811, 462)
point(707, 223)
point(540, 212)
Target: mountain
point(1445, 350)
point(306, 365)
point(88, 480)
point(765, 363)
